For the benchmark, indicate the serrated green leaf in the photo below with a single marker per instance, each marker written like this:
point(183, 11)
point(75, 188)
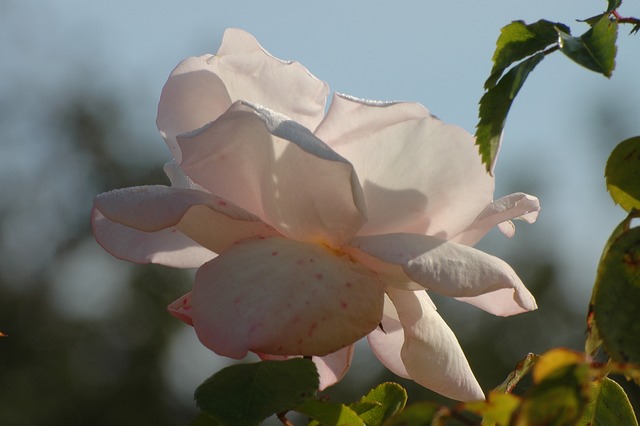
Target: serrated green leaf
point(622, 174)
point(418, 414)
point(390, 399)
point(518, 41)
point(559, 399)
point(616, 297)
point(246, 394)
point(329, 413)
point(609, 405)
point(495, 105)
point(595, 49)
point(594, 341)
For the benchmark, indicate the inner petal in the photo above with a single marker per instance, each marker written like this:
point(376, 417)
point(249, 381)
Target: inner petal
point(279, 171)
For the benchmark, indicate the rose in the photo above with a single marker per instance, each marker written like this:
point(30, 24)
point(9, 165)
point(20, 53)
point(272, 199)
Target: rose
point(312, 231)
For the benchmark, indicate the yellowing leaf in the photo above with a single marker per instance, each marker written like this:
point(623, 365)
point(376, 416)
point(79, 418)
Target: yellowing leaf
point(497, 409)
point(553, 360)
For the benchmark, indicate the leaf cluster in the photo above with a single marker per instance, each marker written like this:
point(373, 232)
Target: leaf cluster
point(520, 48)
point(246, 394)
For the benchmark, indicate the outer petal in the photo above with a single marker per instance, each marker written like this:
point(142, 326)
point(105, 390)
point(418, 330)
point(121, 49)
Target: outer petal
point(168, 247)
point(431, 353)
point(386, 341)
point(499, 213)
point(450, 269)
point(278, 170)
point(252, 74)
point(281, 297)
point(331, 368)
point(419, 175)
point(208, 220)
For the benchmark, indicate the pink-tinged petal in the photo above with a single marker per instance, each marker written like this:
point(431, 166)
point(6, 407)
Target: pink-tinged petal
point(386, 341)
point(178, 178)
point(500, 213)
point(282, 297)
point(431, 353)
point(419, 175)
point(208, 220)
point(450, 269)
point(181, 308)
point(192, 97)
point(331, 368)
point(252, 74)
point(278, 170)
point(168, 247)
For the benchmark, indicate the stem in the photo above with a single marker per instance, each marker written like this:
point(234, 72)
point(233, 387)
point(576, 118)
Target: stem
point(625, 20)
point(283, 418)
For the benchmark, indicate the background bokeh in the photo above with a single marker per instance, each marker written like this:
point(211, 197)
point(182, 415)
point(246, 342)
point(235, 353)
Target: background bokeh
point(89, 339)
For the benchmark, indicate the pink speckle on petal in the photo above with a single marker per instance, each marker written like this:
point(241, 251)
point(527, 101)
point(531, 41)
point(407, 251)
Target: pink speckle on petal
point(319, 276)
point(343, 305)
point(274, 253)
point(222, 203)
point(312, 329)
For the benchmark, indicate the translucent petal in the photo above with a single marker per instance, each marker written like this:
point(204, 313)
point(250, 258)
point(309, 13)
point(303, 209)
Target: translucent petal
point(208, 220)
point(431, 353)
point(282, 297)
point(500, 213)
point(252, 74)
point(168, 247)
point(418, 174)
point(450, 269)
point(278, 170)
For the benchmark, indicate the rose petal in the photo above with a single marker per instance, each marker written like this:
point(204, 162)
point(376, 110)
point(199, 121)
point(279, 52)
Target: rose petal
point(209, 220)
point(450, 269)
point(499, 213)
point(181, 309)
point(192, 97)
point(168, 247)
point(431, 353)
point(252, 74)
point(278, 170)
point(386, 341)
point(419, 175)
point(331, 368)
point(282, 297)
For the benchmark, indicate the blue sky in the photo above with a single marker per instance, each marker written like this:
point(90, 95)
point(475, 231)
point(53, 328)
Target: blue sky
point(435, 53)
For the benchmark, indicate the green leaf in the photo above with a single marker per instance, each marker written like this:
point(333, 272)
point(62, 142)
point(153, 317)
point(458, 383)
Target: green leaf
point(204, 419)
point(609, 405)
point(495, 105)
point(518, 41)
point(594, 341)
point(616, 298)
point(329, 413)
point(390, 398)
point(595, 49)
point(623, 174)
point(559, 399)
point(246, 394)
point(613, 5)
point(419, 414)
